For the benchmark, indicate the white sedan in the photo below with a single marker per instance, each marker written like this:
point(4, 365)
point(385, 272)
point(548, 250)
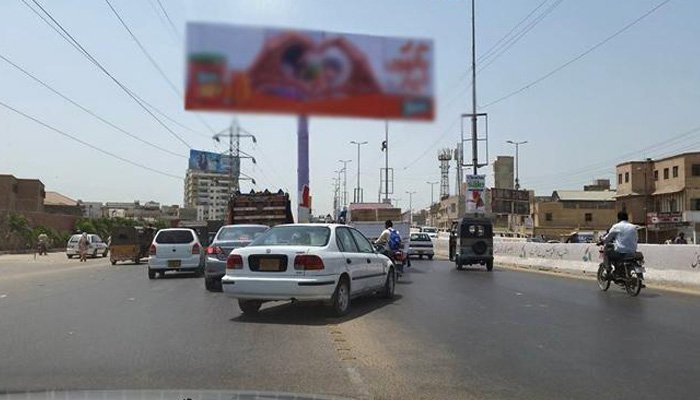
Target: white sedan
point(307, 262)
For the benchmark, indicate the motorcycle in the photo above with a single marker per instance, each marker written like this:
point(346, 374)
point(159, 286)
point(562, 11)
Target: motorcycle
point(42, 249)
point(398, 257)
point(627, 272)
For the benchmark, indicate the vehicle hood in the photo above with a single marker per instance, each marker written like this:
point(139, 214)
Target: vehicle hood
point(164, 395)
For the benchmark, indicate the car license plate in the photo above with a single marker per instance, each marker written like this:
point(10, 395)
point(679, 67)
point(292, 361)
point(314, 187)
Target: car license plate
point(269, 264)
point(174, 263)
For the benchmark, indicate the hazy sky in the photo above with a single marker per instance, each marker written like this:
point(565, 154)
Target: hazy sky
point(623, 100)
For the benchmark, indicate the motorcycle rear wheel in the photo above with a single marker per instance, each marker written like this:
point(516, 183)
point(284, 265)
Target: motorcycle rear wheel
point(633, 283)
point(603, 281)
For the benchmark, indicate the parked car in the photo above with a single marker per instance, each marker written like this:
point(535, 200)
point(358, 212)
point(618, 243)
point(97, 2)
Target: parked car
point(228, 237)
point(430, 231)
point(419, 244)
point(175, 249)
point(307, 262)
point(96, 246)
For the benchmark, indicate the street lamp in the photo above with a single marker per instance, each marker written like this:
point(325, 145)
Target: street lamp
point(410, 207)
point(358, 192)
point(345, 180)
point(517, 146)
point(432, 189)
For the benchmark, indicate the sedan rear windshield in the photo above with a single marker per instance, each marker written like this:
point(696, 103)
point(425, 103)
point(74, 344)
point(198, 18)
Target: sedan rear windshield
point(291, 235)
point(240, 233)
point(420, 237)
point(171, 237)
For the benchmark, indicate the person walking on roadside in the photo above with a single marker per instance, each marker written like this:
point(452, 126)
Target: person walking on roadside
point(680, 239)
point(83, 246)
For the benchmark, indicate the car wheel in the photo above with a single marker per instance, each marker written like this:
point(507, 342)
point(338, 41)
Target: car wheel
point(249, 307)
point(137, 261)
point(104, 254)
point(151, 274)
point(420, 256)
point(341, 297)
point(389, 285)
point(161, 274)
point(113, 262)
point(458, 263)
point(69, 256)
point(94, 254)
point(430, 257)
point(489, 265)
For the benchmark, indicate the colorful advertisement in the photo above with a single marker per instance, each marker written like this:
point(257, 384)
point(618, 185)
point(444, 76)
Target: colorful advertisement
point(476, 185)
point(211, 162)
point(240, 68)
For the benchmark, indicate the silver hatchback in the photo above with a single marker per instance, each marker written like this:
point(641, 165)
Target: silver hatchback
point(228, 237)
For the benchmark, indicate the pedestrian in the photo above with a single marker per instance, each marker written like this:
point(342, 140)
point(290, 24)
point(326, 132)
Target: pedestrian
point(83, 246)
point(680, 239)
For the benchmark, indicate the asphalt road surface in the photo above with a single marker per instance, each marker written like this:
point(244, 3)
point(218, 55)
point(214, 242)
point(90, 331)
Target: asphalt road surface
point(447, 335)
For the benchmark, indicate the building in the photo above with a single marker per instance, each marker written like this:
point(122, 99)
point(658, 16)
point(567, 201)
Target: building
point(567, 211)
point(503, 175)
point(448, 210)
point(21, 194)
point(662, 195)
point(208, 193)
point(91, 209)
point(56, 203)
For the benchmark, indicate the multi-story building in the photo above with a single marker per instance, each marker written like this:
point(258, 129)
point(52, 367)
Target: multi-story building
point(662, 195)
point(503, 176)
point(568, 211)
point(208, 193)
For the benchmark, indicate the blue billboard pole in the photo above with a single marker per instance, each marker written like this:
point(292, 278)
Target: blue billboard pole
point(303, 191)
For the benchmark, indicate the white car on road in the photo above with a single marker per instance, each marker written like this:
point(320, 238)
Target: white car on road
point(307, 262)
point(96, 247)
point(175, 249)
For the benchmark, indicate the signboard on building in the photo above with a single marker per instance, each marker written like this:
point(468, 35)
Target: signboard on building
point(211, 162)
point(257, 69)
point(476, 184)
point(510, 201)
point(654, 218)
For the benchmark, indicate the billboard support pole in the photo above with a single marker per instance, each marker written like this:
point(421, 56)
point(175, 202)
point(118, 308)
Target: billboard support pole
point(303, 211)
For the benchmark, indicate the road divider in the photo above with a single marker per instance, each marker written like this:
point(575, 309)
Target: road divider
point(670, 265)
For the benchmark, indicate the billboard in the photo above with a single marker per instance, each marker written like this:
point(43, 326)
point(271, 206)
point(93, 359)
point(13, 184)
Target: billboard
point(211, 162)
point(257, 69)
point(476, 184)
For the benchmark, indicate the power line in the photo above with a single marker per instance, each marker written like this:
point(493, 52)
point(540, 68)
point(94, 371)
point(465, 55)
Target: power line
point(512, 41)
point(85, 109)
point(170, 21)
point(155, 64)
point(126, 90)
point(578, 57)
point(492, 48)
point(84, 143)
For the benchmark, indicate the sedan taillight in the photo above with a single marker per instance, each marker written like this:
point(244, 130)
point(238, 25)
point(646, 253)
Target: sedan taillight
point(152, 250)
point(234, 261)
point(308, 262)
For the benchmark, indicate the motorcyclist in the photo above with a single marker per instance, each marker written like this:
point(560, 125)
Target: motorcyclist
point(384, 240)
point(623, 236)
point(43, 241)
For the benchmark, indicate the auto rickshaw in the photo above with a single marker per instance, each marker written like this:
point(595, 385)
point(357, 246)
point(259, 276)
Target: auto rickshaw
point(475, 242)
point(129, 244)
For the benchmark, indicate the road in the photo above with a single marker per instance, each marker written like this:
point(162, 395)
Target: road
point(447, 335)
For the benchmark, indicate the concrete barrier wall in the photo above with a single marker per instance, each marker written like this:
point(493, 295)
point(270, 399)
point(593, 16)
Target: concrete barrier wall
point(677, 265)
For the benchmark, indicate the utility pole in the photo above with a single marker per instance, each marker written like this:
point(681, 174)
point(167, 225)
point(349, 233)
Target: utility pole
point(432, 191)
point(357, 198)
point(410, 207)
point(475, 158)
point(386, 161)
point(517, 146)
point(345, 180)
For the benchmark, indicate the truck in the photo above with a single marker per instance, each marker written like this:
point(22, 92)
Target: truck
point(264, 208)
point(369, 218)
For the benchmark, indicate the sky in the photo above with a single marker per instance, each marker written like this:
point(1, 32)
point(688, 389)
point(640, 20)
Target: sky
point(634, 96)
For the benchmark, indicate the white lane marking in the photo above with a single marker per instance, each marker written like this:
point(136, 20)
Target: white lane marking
point(358, 382)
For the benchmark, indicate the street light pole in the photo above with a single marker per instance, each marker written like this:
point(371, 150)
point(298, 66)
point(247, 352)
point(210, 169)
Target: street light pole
point(517, 147)
point(345, 180)
point(357, 198)
point(410, 206)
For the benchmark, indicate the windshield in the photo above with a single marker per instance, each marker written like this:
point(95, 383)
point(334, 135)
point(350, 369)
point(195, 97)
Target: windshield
point(240, 233)
point(174, 237)
point(290, 235)
point(176, 133)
